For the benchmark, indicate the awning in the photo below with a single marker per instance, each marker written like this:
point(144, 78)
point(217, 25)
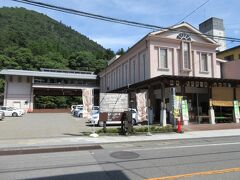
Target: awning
point(222, 96)
point(238, 93)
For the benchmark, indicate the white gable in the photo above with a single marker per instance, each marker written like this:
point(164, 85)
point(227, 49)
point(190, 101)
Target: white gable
point(185, 29)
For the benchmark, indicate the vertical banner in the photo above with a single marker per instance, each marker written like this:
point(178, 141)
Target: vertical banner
point(185, 115)
point(87, 96)
point(177, 106)
point(236, 109)
point(142, 106)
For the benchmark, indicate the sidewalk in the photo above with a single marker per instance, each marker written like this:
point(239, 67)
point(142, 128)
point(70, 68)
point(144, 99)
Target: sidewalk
point(205, 127)
point(19, 144)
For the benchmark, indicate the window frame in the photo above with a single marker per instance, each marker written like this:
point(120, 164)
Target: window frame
point(189, 55)
point(160, 59)
point(201, 62)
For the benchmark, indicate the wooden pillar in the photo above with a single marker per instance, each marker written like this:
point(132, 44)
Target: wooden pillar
point(150, 104)
point(182, 85)
point(163, 115)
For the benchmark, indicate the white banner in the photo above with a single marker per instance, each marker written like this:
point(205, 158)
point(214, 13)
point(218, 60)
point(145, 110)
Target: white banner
point(87, 96)
point(185, 114)
point(142, 106)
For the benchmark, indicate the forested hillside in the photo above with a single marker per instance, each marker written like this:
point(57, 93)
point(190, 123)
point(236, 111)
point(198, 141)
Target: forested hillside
point(30, 41)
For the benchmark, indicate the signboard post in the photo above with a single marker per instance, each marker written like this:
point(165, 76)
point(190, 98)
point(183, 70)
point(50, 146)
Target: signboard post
point(177, 103)
point(111, 106)
point(177, 106)
point(236, 111)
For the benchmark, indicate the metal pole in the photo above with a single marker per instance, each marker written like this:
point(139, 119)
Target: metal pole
point(93, 134)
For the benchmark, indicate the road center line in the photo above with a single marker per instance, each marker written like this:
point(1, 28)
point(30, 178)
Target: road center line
point(203, 173)
point(190, 146)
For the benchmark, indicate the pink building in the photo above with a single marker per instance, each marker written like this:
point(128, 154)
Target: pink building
point(175, 61)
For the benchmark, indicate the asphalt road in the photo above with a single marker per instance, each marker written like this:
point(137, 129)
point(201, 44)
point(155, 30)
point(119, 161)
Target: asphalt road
point(211, 158)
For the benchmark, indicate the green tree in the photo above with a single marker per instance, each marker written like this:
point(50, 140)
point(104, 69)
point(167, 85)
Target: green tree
point(23, 57)
point(61, 101)
point(6, 62)
point(2, 83)
point(120, 51)
point(109, 54)
point(30, 41)
point(82, 61)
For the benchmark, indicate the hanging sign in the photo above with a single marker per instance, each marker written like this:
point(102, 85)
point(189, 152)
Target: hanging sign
point(177, 106)
point(236, 109)
point(142, 106)
point(185, 115)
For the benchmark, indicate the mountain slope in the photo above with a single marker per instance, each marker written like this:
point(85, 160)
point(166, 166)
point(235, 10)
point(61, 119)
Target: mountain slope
point(40, 34)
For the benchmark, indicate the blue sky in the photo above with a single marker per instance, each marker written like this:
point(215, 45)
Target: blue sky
point(158, 12)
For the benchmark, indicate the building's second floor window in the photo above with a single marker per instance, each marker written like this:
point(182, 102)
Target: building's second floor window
point(186, 55)
point(163, 58)
point(142, 67)
point(132, 71)
point(204, 62)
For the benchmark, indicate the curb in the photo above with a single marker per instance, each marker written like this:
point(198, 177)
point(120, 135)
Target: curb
point(50, 149)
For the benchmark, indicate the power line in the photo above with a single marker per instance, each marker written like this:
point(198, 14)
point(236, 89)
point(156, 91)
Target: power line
point(90, 15)
point(193, 11)
point(115, 20)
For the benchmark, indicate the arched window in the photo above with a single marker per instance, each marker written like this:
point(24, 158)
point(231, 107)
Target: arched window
point(183, 36)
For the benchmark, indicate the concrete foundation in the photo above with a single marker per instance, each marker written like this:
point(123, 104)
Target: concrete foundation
point(212, 115)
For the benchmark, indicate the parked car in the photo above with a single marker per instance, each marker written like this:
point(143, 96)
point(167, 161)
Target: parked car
point(72, 108)
point(75, 108)
point(9, 111)
point(21, 110)
point(2, 115)
point(95, 119)
point(14, 108)
point(79, 113)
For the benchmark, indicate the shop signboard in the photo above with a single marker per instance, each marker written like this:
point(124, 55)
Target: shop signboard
point(113, 102)
point(185, 115)
point(236, 109)
point(177, 106)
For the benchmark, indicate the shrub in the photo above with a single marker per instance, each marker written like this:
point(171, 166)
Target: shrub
point(139, 130)
point(109, 130)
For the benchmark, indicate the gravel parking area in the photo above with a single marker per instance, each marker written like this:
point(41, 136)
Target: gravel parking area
point(40, 125)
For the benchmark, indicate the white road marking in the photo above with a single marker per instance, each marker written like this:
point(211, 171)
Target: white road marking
point(190, 146)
